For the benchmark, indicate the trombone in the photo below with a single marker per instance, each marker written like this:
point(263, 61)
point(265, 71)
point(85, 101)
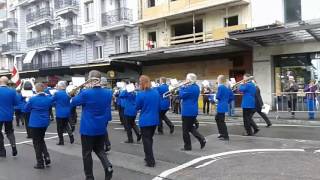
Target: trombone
point(76, 90)
point(170, 92)
point(236, 85)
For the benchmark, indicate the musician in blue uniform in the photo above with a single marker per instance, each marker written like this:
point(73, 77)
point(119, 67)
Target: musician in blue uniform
point(164, 106)
point(8, 99)
point(39, 106)
point(107, 143)
point(18, 109)
point(130, 113)
point(148, 103)
point(61, 102)
point(224, 96)
point(96, 112)
point(47, 91)
point(189, 95)
point(248, 105)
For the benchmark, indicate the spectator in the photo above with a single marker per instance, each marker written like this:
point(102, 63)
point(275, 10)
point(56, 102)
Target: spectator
point(310, 89)
point(291, 87)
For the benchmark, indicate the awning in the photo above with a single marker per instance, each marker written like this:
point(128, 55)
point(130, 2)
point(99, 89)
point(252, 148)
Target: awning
point(29, 57)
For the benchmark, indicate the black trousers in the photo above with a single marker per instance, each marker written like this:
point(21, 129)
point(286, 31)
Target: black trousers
point(248, 121)
point(26, 117)
point(63, 126)
point(147, 140)
point(177, 108)
point(292, 104)
point(188, 126)
point(221, 124)
point(131, 124)
point(163, 117)
point(39, 144)
point(73, 118)
point(8, 129)
point(95, 144)
point(121, 115)
point(18, 114)
point(206, 105)
point(264, 117)
point(107, 141)
point(51, 114)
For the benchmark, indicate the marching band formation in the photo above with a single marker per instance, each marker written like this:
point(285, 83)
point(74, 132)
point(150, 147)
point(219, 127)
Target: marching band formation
point(33, 103)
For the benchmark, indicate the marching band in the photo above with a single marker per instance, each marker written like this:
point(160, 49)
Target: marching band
point(151, 100)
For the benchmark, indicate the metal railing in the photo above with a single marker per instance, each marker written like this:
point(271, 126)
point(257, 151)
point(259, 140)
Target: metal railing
point(10, 46)
point(31, 66)
point(10, 23)
point(39, 14)
point(116, 16)
point(44, 40)
point(61, 4)
point(66, 32)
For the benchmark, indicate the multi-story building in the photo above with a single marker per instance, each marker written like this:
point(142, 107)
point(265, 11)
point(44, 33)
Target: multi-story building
point(3, 16)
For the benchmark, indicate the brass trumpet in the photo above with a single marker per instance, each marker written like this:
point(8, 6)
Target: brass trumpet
point(236, 85)
point(169, 93)
point(76, 90)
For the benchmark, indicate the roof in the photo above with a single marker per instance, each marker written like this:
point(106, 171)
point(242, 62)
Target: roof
point(185, 50)
point(274, 34)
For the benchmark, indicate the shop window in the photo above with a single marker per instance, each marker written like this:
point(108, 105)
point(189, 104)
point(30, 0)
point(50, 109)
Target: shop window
point(292, 10)
point(231, 21)
point(151, 3)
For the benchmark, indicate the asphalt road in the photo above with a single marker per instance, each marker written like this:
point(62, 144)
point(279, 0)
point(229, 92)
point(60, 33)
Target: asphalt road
point(283, 152)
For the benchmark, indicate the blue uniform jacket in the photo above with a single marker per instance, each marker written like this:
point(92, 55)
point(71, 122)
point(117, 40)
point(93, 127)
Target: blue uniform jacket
point(47, 90)
point(224, 97)
point(121, 98)
point(39, 106)
point(249, 93)
point(8, 99)
point(21, 103)
point(189, 96)
point(61, 101)
point(96, 110)
point(164, 102)
point(148, 102)
point(130, 104)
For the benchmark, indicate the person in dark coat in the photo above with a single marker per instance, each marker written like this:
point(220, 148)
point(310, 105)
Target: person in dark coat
point(39, 106)
point(259, 106)
point(292, 88)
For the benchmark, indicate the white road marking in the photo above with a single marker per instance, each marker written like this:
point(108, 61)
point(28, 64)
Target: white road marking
point(207, 163)
point(49, 133)
point(30, 141)
point(119, 128)
point(214, 156)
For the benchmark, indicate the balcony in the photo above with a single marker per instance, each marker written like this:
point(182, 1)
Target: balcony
point(116, 19)
point(66, 8)
point(40, 18)
point(68, 34)
point(49, 65)
point(10, 48)
point(44, 41)
point(10, 25)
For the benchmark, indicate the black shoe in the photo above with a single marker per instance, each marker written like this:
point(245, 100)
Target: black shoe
point(203, 144)
point(171, 129)
point(60, 143)
point(108, 172)
point(150, 165)
point(185, 149)
point(139, 137)
point(129, 141)
point(220, 136)
point(14, 151)
point(107, 148)
point(246, 134)
point(269, 125)
point(71, 139)
point(256, 131)
point(47, 161)
point(3, 153)
point(39, 166)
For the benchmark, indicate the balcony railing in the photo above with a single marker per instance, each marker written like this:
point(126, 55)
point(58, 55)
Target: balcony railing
point(66, 32)
point(41, 41)
point(39, 14)
point(31, 66)
point(116, 16)
point(61, 4)
point(10, 46)
point(10, 23)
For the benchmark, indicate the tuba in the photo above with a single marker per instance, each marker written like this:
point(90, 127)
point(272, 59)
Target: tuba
point(76, 90)
point(237, 84)
point(171, 91)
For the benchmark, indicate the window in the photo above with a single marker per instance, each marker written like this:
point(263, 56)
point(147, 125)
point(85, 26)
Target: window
point(186, 28)
point(231, 21)
point(151, 3)
point(292, 10)
point(98, 50)
point(122, 44)
point(125, 40)
point(88, 11)
point(152, 40)
point(118, 44)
